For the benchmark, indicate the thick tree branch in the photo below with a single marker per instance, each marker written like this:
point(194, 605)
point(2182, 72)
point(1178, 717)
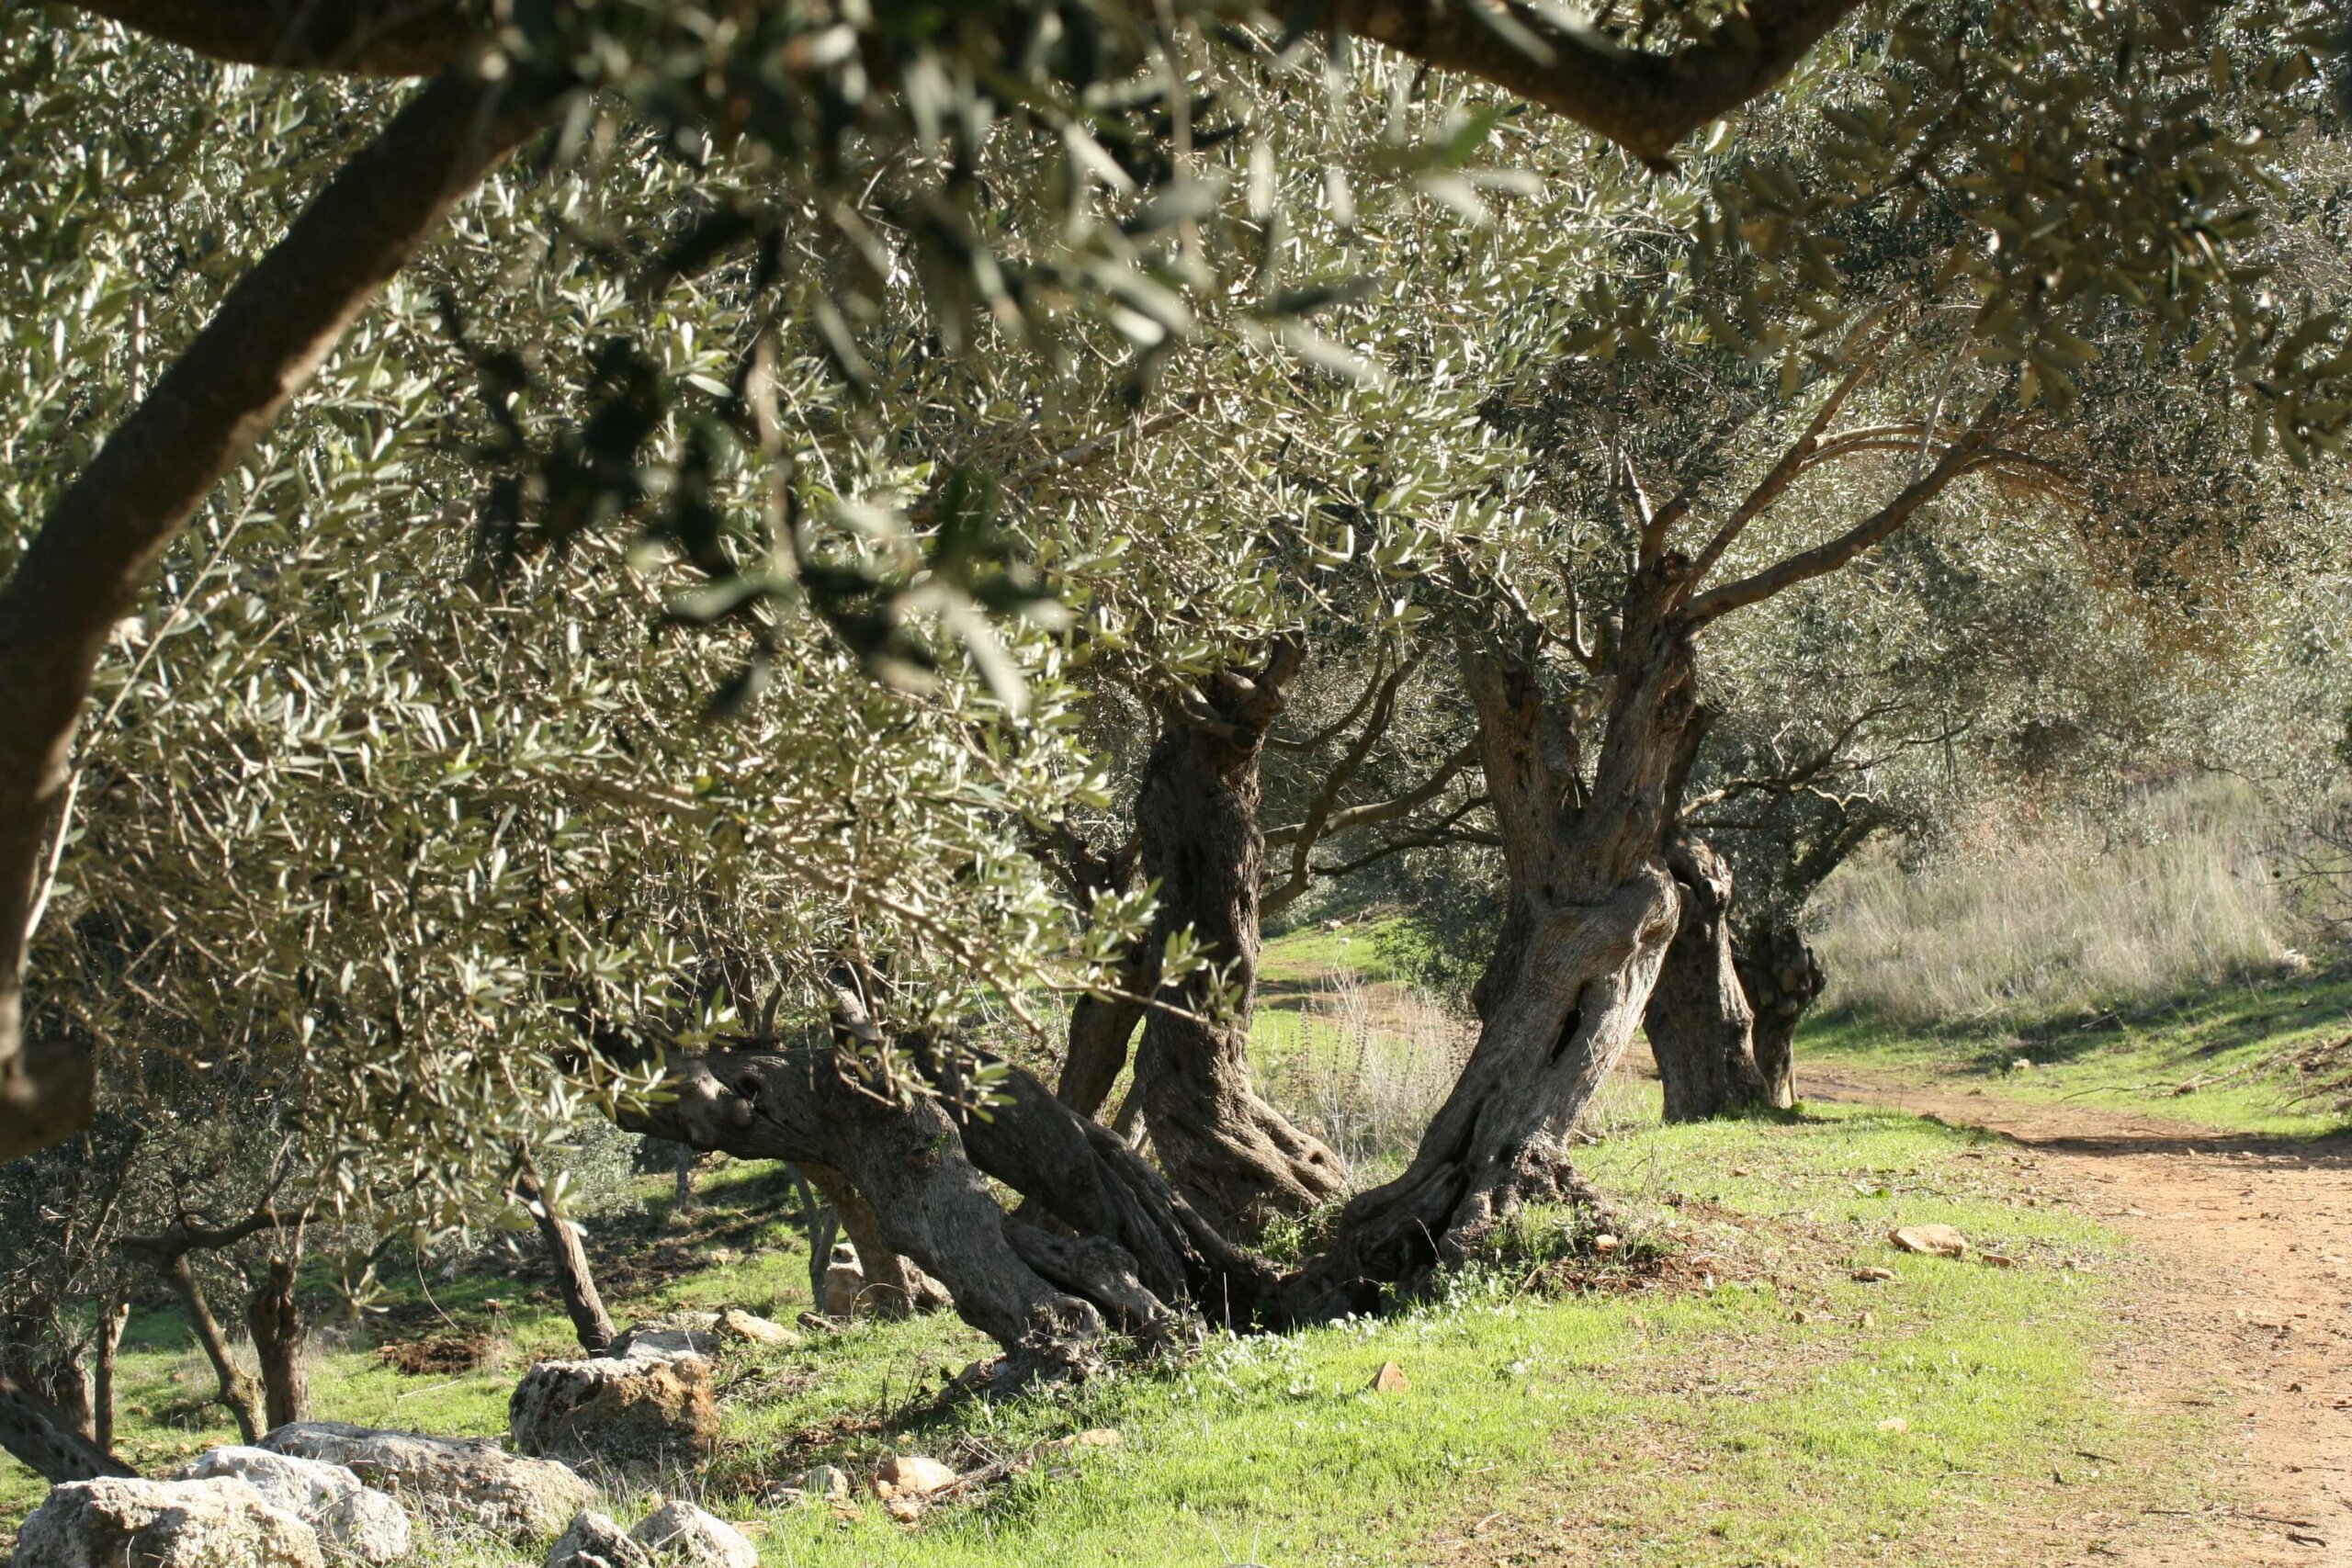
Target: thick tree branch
point(86, 567)
point(367, 37)
point(1801, 454)
point(1822, 559)
point(1645, 103)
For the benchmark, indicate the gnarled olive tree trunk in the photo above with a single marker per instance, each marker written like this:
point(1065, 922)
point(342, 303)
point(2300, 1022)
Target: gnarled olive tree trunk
point(1231, 1154)
point(1699, 1025)
point(1783, 979)
point(813, 1106)
point(1593, 909)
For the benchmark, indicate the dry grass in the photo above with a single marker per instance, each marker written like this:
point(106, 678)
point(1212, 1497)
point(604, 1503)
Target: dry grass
point(1368, 1065)
point(2082, 914)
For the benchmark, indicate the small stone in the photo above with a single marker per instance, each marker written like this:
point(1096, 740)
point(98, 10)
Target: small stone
point(826, 1482)
point(1094, 1438)
point(1390, 1379)
point(844, 1288)
point(680, 1535)
point(593, 1541)
point(1605, 1243)
point(1873, 1275)
point(903, 1508)
point(736, 1324)
point(912, 1475)
point(1933, 1241)
point(1996, 1259)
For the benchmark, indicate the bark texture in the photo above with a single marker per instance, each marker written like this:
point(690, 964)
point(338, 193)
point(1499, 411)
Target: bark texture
point(1232, 1155)
point(813, 1106)
point(1783, 979)
point(45, 1442)
point(894, 1287)
point(1592, 910)
point(274, 1318)
point(1700, 1026)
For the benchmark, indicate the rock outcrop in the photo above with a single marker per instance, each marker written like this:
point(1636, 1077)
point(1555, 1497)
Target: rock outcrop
point(635, 1410)
point(219, 1522)
point(355, 1522)
point(451, 1483)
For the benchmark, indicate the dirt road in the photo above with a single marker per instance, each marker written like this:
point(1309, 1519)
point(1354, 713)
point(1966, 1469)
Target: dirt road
point(2254, 1298)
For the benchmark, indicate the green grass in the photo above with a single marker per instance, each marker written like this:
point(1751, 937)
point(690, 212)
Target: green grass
point(1679, 1421)
point(2224, 1044)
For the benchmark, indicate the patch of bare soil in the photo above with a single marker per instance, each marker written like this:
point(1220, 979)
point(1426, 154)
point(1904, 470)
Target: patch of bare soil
point(2255, 1239)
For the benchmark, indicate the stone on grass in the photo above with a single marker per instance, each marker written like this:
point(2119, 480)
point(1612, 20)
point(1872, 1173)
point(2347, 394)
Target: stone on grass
point(1873, 1275)
point(1390, 1379)
point(639, 1410)
point(670, 1335)
point(354, 1522)
point(1932, 1241)
point(822, 1483)
point(592, 1540)
point(680, 1535)
point(219, 1522)
point(910, 1475)
point(452, 1483)
point(734, 1323)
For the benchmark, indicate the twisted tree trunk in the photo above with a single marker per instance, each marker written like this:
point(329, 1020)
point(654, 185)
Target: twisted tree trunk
point(1232, 1155)
point(275, 1320)
point(1698, 1023)
point(1783, 978)
point(814, 1106)
point(1592, 910)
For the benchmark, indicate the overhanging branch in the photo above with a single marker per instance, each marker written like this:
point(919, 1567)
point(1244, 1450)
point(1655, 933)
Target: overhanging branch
point(86, 567)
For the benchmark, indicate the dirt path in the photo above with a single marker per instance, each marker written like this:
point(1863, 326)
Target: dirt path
point(2255, 1300)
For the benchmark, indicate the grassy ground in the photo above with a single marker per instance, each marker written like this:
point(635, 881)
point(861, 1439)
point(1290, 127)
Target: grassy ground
point(1733, 1396)
point(1749, 1403)
point(2220, 1059)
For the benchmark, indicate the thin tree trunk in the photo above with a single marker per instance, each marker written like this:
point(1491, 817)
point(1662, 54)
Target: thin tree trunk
point(1234, 1156)
point(274, 1318)
point(823, 1221)
point(1100, 1030)
point(894, 1287)
point(238, 1391)
point(1700, 1028)
point(1783, 978)
point(44, 1441)
point(113, 1318)
point(574, 1281)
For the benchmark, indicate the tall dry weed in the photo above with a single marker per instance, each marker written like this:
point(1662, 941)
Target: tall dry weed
point(2083, 913)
